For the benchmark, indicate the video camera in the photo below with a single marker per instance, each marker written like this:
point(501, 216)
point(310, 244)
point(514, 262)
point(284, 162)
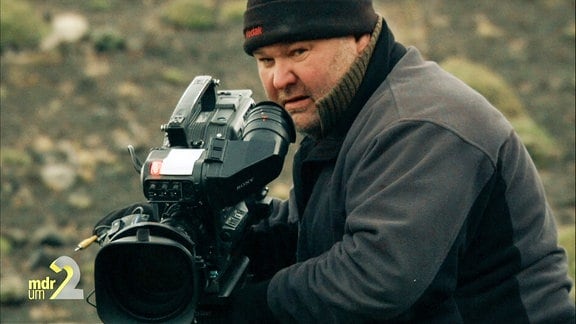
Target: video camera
point(205, 186)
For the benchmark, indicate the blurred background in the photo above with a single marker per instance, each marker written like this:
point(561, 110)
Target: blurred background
point(80, 80)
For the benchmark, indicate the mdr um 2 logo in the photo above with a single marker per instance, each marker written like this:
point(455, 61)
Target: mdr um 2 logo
point(39, 289)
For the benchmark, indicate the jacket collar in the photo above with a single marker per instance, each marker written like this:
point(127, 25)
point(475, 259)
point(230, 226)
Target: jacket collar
point(333, 105)
point(337, 115)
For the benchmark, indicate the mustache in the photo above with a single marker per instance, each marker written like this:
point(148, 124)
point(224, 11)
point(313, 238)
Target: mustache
point(293, 93)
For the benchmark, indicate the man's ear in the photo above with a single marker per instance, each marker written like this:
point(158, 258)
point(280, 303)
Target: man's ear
point(361, 42)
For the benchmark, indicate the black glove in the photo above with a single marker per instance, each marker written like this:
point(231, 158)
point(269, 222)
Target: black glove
point(270, 250)
point(250, 304)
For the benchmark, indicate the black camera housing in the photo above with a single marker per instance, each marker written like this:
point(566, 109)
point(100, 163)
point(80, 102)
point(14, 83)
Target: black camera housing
point(205, 186)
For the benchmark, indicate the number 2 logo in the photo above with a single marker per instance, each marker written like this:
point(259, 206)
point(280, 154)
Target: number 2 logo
point(67, 289)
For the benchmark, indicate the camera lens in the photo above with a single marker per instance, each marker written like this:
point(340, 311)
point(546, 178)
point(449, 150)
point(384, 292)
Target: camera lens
point(145, 282)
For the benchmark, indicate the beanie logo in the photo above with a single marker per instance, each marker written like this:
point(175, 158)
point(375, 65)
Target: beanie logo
point(253, 32)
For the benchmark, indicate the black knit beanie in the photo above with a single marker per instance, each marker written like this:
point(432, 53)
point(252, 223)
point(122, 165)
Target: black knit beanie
point(268, 22)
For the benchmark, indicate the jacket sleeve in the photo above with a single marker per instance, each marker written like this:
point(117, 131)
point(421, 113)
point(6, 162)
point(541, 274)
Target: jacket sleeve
point(406, 200)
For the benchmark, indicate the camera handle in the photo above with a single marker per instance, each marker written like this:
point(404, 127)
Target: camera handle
point(136, 162)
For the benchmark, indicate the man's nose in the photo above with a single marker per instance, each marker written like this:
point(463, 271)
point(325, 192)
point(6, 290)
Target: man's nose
point(284, 75)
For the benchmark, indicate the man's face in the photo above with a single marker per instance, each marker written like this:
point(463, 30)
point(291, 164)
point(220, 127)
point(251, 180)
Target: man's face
point(297, 75)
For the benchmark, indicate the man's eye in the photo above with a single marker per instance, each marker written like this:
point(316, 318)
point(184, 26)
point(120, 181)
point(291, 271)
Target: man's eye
point(265, 60)
point(299, 52)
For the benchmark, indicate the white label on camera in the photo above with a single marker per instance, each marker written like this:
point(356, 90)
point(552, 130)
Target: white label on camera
point(180, 161)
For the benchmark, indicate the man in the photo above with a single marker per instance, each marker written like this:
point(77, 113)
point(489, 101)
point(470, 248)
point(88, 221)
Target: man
point(413, 200)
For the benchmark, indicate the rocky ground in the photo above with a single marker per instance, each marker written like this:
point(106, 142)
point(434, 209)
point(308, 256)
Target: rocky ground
point(112, 76)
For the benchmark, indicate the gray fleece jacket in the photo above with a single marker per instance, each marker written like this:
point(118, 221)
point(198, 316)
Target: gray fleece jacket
point(428, 210)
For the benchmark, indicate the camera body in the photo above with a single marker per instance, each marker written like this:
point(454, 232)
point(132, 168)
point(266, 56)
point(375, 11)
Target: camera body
point(205, 186)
